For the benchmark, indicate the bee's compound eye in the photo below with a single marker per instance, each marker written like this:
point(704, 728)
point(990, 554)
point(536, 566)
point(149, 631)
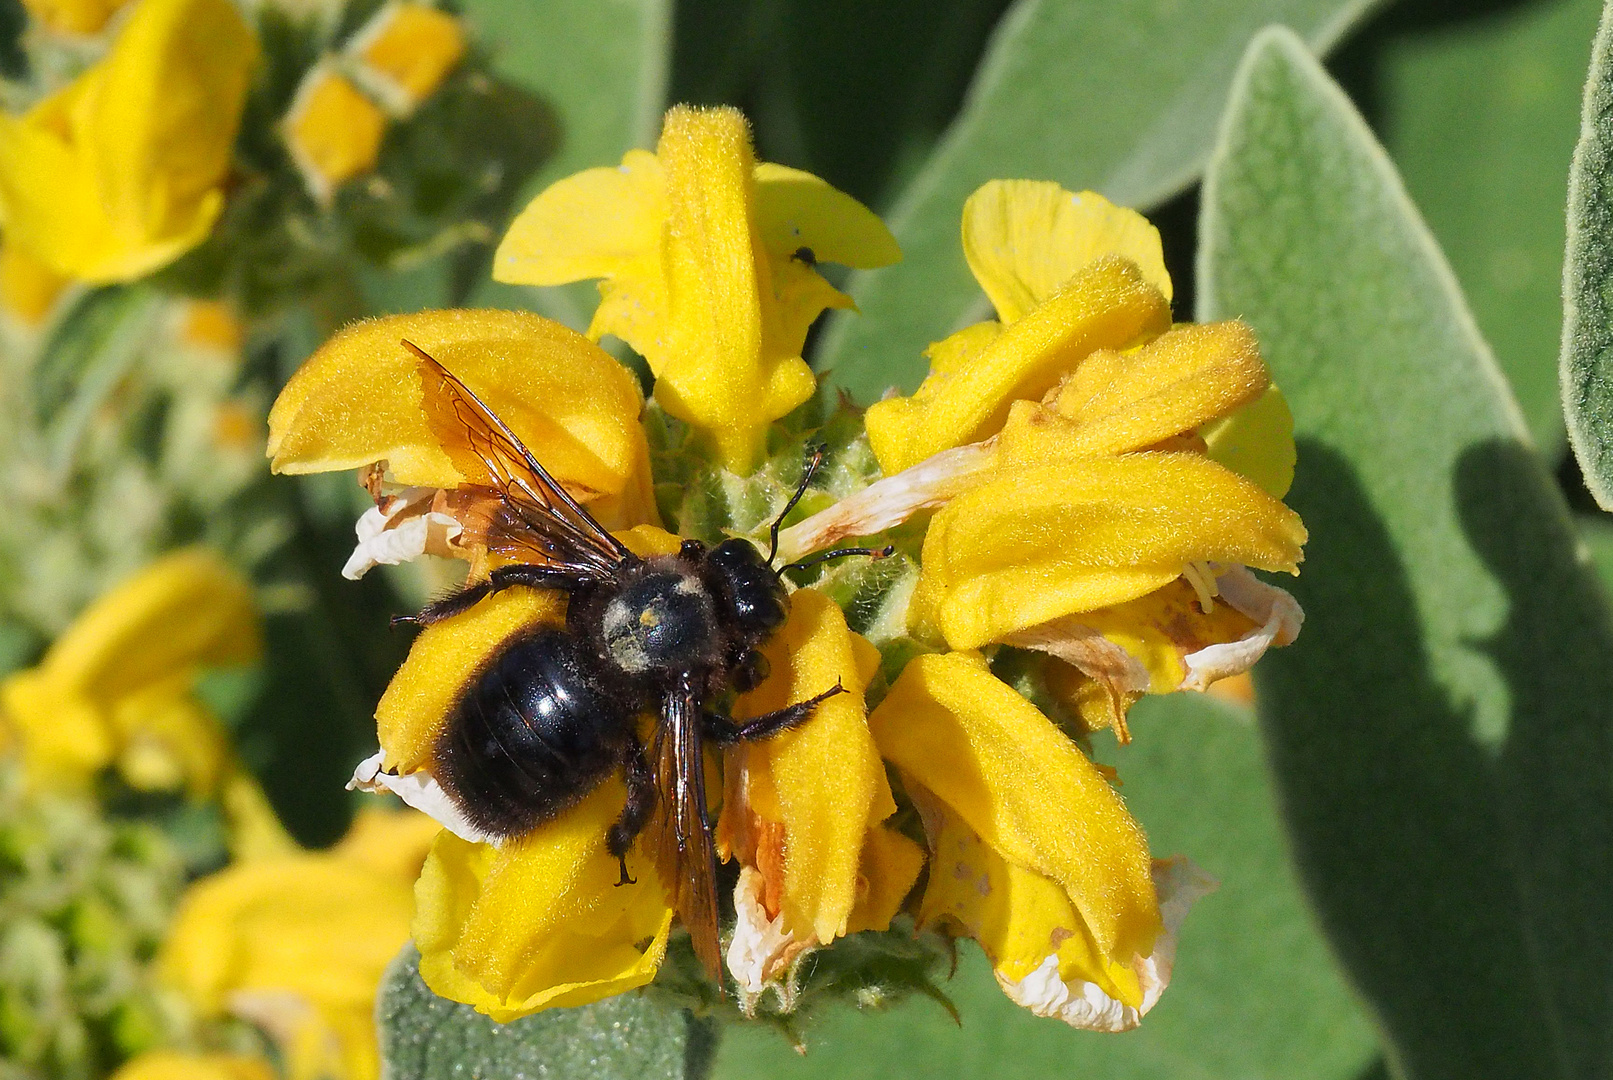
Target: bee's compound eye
point(751, 671)
point(733, 554)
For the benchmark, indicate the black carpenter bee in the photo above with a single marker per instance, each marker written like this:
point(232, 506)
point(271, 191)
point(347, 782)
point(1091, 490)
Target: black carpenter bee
point(553, 711)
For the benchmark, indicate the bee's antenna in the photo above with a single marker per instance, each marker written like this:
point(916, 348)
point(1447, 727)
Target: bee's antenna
point(824, 556)
point(815, 454)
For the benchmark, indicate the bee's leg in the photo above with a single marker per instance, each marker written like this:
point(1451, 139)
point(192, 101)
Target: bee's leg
point(640, 802)
point(530, 575)
point(724, 732)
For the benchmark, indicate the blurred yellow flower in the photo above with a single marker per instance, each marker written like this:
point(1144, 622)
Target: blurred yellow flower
point(122, 171)
point(297, 942)
point(116, 689)
point(177, 1065)
point(28, 288)
point(708, 261)
point(332, 130)
point(75, 17)
point(405, 51)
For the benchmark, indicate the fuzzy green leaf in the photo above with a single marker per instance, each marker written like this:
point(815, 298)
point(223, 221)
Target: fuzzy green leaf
point(1587, 360)
point(1481, 115)
point(1120, 97)
point(1250, 960)
point(1442, 729)
point(630, 1037)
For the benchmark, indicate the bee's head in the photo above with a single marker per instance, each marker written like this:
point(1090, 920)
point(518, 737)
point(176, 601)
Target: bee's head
point(751, 597)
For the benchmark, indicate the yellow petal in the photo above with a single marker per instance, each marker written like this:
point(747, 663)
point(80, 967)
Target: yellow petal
point(73, 16)
point(122, 172)
point(389, 843)
point(1117, 402)
point(889, 867)
point(177, 1065)
point(795, 209)
point(28, 288)
point(1257, 441)
point(170, 740)
point(1107, 305)
point(358, 399)
point(1025, 238)
point(824, 781)
point(333, 132)
point(1002, 767)
point(540, 922)
point(1018, 916)
point(442, 660)
point(1037, 543)
point(406, 50)
point(598, 223)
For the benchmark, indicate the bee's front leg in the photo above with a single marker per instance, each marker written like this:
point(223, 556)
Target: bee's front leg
point(723, 731)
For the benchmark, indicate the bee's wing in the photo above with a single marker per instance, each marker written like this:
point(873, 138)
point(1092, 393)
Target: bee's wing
point(685, 833)
point(537, 514)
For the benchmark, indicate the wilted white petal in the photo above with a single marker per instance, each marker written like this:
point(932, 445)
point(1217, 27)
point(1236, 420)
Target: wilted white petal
point(1087, 650)
point(887, 503)
point(421, 791)
point(1278, 614)
point(399, 530)
point(1179, 885)
point(761, 953)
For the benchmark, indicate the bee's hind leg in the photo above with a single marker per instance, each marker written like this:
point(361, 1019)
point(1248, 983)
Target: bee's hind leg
point(504, 577)
point(640, 803)
point(725, 732)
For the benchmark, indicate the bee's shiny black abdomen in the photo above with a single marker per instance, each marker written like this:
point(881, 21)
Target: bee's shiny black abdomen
point(533, 733)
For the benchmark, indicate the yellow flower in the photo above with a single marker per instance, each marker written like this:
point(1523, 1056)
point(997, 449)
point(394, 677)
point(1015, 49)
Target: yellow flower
point(708, 265)
point(1032, 850)
point(333, 131)
point(405, 52)
point(1100, 478)
point(122, 171)
point(73, 17)
point(175, 1065)
point(297, 942)
point(28, 288)
point(116, 690)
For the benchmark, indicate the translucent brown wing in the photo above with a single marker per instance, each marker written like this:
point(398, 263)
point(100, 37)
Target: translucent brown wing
point(537, 516)
point(686, 850)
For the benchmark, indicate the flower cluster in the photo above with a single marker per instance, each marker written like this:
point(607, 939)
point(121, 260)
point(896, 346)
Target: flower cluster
point(1075, 497)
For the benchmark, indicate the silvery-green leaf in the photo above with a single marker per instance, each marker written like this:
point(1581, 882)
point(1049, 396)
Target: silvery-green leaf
point(1441, 731)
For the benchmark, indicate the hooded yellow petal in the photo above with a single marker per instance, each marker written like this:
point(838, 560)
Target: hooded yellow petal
point(992, 759)
point(823, 781)
point(540, 922)
point(1257, 441)
point(1024, 239)
point(1107, 305)
point(175, 1065)
point(1118, 402)
point(442, 660)
point(122, 172)
point(359, 400)
point(712, 363)
point(1018, 916)
point(1036, 543)
point(73, 16)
